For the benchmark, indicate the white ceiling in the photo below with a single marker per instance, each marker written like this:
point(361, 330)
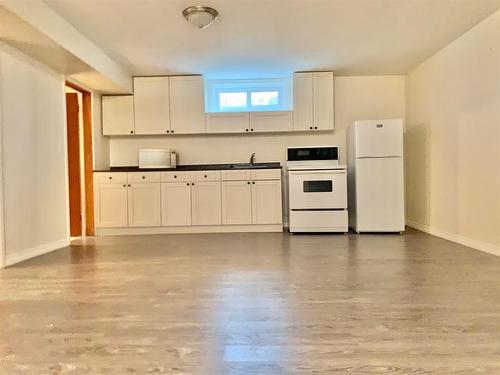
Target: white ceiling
point(259, 38)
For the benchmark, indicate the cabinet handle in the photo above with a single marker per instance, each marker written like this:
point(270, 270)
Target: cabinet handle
point(175, 176)
point(192, 183)
point(171, 131)
point(187, 184)
point(143, 177)
point(253, 182)
point(315, 127)
point(110, 177)
point(124, 185)
point(128, 185)
point(246, 130)
point(251, 130)
point(131, 132)
point(248, 182)
point(168, 131)
point(310, 127)
point(205, 176)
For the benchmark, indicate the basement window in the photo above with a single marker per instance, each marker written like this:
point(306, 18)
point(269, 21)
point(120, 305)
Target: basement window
point(248, 95)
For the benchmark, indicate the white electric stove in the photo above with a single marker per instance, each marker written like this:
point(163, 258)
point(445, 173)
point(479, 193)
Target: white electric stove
point(317, 190)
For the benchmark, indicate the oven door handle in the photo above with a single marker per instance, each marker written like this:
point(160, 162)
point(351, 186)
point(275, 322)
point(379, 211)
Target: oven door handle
point(300, 173)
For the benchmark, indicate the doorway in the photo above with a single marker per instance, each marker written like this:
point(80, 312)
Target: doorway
point(80, 160)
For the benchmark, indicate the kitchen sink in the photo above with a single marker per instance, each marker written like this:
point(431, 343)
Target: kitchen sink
point(250, 166)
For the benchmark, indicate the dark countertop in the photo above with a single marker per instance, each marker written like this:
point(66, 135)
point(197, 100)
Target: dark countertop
point(197, 167)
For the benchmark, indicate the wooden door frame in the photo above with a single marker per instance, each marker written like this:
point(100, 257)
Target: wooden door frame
point(88, 160)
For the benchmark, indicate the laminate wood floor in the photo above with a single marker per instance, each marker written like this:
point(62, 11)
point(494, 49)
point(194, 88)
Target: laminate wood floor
point(267, 303)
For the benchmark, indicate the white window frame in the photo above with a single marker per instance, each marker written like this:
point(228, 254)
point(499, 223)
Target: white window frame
point(282, 85)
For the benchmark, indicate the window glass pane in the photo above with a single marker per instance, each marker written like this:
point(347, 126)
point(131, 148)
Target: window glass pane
point(231, 101)
point(267, 98)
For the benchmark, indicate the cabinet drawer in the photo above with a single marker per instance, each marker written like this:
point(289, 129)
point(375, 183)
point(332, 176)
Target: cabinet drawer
point(236, 175)
point(206, 176)
point(110, 177)
point(318, 220)
point(266, 174)
point(134, 177)
point(177, 176)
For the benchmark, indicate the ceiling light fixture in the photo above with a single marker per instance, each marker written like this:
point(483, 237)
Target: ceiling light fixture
point(200, 16)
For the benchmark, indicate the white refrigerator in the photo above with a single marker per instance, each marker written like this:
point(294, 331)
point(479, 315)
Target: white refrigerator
point(375, 176)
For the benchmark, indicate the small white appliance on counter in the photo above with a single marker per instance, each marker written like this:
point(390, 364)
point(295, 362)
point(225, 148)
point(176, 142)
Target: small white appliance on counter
point(375, 176)
point(317, 187)
point(157, 159)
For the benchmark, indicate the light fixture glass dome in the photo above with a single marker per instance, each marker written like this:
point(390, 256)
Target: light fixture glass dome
point(200, 16)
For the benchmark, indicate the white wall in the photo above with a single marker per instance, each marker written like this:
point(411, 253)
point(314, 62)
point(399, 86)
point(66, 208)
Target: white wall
point(33, 127)
point(356, 98)
point(100, 143)
point(453, 140)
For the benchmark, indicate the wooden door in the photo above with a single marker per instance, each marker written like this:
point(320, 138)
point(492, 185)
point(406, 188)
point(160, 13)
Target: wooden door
point(236, 202)
point(303, 101)
point(175, 204)
point(151, 105)
point(187, 105)
point(266, 202)
point(144, 204)
point(323, 100)
point(73, 134)
point(111, 205)
point(206, 203)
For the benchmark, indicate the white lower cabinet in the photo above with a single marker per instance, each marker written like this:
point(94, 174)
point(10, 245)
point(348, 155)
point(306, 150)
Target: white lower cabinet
point(144, 204)
point(111, 205)
point(266, 202)
point(236, 202)
point(206, 203)
point(176, 204)
point(256, 200)
point(189, 199)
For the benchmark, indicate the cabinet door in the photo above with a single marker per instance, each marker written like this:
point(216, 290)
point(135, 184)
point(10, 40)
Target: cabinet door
point(111, 205)
point(151, 105)
point(303, 101)
point(144, 205)
point(236, 202)
point(266, 202)
point(187, 105)
point(175, 204)
point(230, 122)
point(272, 121)
point(206, 203)
point(323, 100)
point(118, 115)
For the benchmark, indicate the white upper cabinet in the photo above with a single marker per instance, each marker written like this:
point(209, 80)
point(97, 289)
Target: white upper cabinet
point(187, 105)
point(118, 115)
point(302, 101)
point(152, 105)
point(313, 101)
point(323, 93)
point(228, 122)
point(271, 121)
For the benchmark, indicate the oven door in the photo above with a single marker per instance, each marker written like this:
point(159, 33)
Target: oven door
point(318, 189)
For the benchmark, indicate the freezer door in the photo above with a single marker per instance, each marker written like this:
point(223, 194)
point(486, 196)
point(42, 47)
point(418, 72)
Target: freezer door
point(379, 138)
point(379, 195)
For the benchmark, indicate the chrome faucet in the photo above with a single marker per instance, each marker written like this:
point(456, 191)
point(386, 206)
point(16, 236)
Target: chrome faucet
point(252, 158)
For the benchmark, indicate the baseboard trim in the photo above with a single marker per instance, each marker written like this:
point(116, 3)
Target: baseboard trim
point(190, 229)
point(35, 251)
point(478, 245)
